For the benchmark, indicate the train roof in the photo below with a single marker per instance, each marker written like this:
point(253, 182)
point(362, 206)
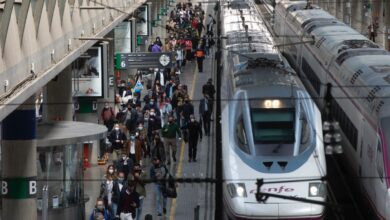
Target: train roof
point(371, 80)
point(246, 33)
point(265, 77)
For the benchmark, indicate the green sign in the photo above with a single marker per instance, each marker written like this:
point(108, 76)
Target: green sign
point(19, 187)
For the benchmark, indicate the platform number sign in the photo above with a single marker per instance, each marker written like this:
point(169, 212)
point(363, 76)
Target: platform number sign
point(123, 64)
point(19, 188)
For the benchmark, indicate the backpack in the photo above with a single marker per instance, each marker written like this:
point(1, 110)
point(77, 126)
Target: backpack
point(214, 22)
point(150, 47)
point(169, 189)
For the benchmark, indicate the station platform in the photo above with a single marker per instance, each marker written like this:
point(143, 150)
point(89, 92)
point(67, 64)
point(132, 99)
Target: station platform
point(194, 199)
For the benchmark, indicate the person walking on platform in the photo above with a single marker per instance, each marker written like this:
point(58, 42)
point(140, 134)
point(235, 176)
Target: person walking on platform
point(116, 192)
point(205, 109)
point(125, 164)
point(194, 134)
point(158, 172)
point(135, 148)
point(169, 132)
point(137, 176)
point(117, 138)
point(108, 116)
point(209, 89)
point(158, 149)
point(210, 23)
point(131, 118)
point(188, 109)
point(154, 124)
point(200, 53)
point(106, 188)
point(99, 210)
point(128, 203)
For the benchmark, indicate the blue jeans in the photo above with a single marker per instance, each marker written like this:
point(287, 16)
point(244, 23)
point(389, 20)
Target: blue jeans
point(139, 210)
point(158, 189)
point(114, 207)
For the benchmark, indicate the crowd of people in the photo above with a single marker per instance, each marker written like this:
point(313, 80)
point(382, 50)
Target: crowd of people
point(147, 124)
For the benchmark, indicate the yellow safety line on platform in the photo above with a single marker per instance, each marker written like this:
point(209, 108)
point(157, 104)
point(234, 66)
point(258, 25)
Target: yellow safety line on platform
point(179, 167)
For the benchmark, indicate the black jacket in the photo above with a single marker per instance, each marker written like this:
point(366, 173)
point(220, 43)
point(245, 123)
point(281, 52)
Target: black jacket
point(116, 136)
point(194, 131)
point(126, 199)
point(158, 151)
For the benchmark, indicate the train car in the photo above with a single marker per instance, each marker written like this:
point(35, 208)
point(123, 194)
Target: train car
point(271, 128)
point(354, 73)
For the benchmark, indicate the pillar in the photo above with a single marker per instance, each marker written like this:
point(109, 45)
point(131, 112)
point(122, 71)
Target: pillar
point(356, 14)
point(377, 17)
point(58, 104)
point(332, 7)
point(347, 12)
point(387, 24)
point(339, 9)
point(19, 168)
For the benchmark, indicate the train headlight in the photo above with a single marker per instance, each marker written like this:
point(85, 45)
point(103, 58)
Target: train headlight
point(236, 190)
point(316, 190)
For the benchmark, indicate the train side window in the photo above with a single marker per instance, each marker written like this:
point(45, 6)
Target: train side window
point(241, 135)
point(379, 161)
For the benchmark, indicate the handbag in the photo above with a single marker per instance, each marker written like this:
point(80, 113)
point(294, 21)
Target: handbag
point(169, 187)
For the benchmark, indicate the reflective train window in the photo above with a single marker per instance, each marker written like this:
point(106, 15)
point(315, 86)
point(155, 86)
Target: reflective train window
point(305, 132)
point(273, 125)
point(241, 135)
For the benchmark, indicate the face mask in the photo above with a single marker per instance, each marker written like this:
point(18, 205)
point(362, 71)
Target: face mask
point(140, 128)
point(132, 138)
point(100, 207)
point(192, 120)
point(152, 114)
point(111, 171)
point(116, 128)
point(120, 179)
point(124, 158)
point(151, 103)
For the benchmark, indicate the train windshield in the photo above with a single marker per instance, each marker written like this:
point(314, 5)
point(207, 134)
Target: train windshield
point(385, 127)
point(273, 125)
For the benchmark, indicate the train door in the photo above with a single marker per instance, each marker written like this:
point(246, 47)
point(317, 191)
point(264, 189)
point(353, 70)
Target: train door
point(379, 180)
point(366, 149)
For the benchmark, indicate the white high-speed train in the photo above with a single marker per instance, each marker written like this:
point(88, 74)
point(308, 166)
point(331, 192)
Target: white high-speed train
point(271, 128)
point(352, 70)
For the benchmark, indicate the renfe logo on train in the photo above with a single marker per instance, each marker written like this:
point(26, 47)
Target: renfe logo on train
point(281, 189)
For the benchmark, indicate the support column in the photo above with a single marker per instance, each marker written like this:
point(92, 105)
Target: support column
point(387, 24)
point(347, 12)
point(150, 28)
point(339, 9)
point(58, 104)
point(356, 14)
point(377, 21)
point(332, 7)
point(19, 168)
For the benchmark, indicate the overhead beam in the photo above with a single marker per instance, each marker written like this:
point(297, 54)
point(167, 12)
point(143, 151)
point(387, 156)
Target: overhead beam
point(22, 17)
point(5, 17)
